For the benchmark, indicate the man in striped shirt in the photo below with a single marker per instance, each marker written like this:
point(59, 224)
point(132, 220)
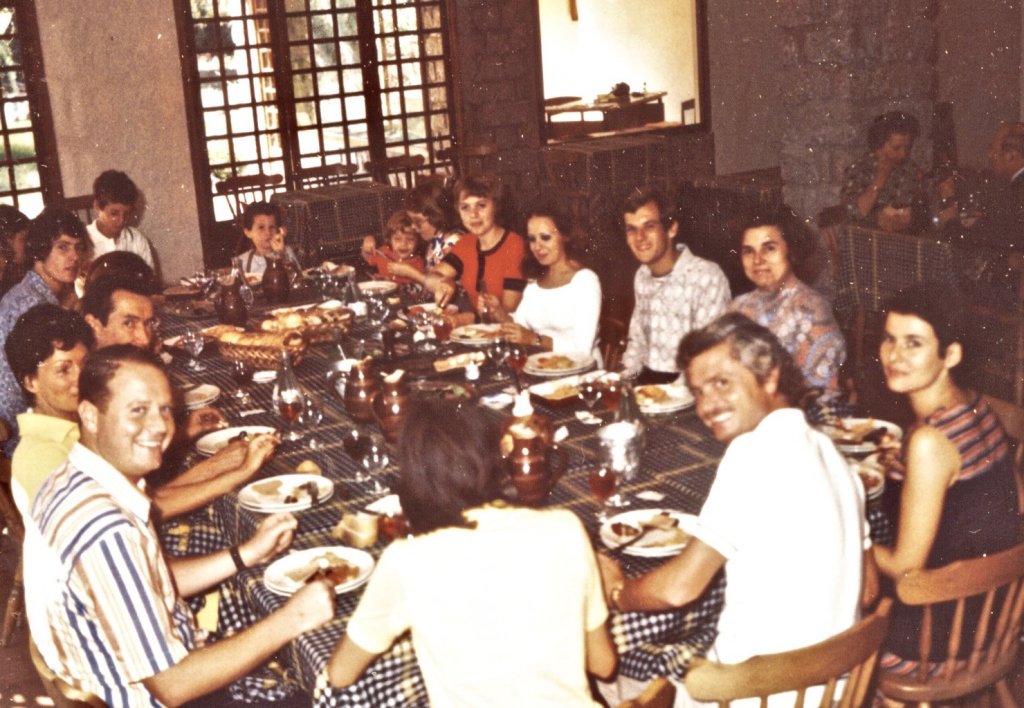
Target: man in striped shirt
point(103, 602)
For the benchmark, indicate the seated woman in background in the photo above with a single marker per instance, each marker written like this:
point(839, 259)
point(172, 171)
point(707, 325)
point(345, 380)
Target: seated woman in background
point(504, 603)
point(261, 226)
point(951, 493)
point(885, 188)
point(13, 234)
point(397, 259)
point(561, 303)
point(772, 247)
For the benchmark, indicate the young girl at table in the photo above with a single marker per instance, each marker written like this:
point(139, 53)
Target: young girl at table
point(261, 226)
point(504, 603)
point(398, 259)
point(951, 493)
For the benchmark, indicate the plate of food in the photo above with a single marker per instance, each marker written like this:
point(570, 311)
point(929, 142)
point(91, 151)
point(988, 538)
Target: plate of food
point(861, 436)
point(182, 291)
point(549, 364)
point(871, 477)
point(377, 287)
point(475, 333)
point(286, 492)
point(411, 312)
point(348, 568)
point(663, 532)
point(563, 390)
point(446, 390)
point(211, 443)
point(201, 395)
point(663, 398)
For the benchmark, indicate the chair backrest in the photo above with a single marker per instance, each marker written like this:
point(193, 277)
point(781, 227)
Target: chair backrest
point(611, 338)
point(398, 171)
point(996, 583)
point(81, 206)
point(324, 176)
point(659, 694)
point(852, 653)
point(1011, 417)
point(242, 190)
point(60, 692)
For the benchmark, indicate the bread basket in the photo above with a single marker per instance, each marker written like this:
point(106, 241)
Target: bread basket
point(262, 350)
point(316, 324)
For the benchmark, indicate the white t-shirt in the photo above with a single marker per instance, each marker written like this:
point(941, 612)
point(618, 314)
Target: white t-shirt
point(568, 314)
point(498, 613)
point(130, 239)
point(787, 513)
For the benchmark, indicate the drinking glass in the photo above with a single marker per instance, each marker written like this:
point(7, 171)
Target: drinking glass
point(516, 357)
point(497, 352)
point(377, 311)
point(375, 460)
point(603, 482)
point(193, 341)
point(241, 374)
point(289, 401)
point(311, 416)
point(355, 441)
point(611, 393)
point(442, 327)
point(590, 393)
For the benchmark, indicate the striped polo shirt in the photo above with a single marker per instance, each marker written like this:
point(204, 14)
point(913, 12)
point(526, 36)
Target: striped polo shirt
point(100, 599)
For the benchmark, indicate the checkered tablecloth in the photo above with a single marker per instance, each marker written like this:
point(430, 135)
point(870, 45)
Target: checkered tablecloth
point(679, 461)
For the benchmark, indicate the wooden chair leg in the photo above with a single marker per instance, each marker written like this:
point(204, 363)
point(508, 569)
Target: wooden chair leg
point(15, 604)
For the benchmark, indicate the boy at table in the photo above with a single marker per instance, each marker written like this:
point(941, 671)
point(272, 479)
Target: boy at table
point(102, 600)
point(114, 197)
point(674, 290)
point(785, 515)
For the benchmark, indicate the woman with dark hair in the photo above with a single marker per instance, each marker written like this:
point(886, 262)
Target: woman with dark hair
point(13, 259)
point(773, 247)
point(561, 303)
point(504, 603)
point(951, 493)
point(885, 187)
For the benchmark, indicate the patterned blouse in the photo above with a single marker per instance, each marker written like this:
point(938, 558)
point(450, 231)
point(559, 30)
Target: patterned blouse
point(904, 188)
point(803, 321)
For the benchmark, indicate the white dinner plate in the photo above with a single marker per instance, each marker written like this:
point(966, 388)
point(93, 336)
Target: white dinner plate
point(377, 287)
point(325, 305)
point(201, 395)
point(871, 477)
point(552, 364)
point(475, 333)
point(848, 442)
point(651, 546)
point(430, 308)
point(210, 443)
point(284, 493)
point(287, 575)
point(566, 387)
point(663, 398)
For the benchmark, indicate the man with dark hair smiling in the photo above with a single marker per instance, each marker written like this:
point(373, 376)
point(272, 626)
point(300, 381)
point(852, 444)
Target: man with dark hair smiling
point(674, 290)
point(785, 515)
point(104, 603)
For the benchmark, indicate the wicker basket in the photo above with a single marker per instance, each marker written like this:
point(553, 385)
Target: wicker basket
point(334, 319)
point(264, 356)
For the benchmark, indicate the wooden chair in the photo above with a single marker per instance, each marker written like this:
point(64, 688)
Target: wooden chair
point(1011, 417)
point(659, 694)
point(63, 694)
point(81, 206)
point(241, 190)
point(468, 159)
point(398, 171)
point(324, 176)
point(998, 583)
point(11, 519)
point(612, 335)
point(852, 654)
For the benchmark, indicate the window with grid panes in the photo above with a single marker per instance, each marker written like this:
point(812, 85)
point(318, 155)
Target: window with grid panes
point(284, 85)
point(22, 114)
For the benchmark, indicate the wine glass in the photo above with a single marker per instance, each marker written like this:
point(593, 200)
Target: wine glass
point(611, 393)
point(193, 341)
point(375, 460)
point(590, 393)
point(377, 311)
point(241, 374)
point(311, 416)
point(497, 352)
point(603, 482)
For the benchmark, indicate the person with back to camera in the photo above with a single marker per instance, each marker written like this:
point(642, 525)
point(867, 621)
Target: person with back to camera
point(951, 492)
point(774, 246)
point(561, 303)
point(884, 187)
point(504, 603)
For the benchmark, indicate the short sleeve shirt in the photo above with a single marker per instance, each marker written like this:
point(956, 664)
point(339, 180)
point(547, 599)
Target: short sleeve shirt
point(494, 271)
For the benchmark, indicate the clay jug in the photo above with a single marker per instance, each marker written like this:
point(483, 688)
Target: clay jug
point(535, 462)
point(390, 405)
point(276, 281)
point(231, 307)
point(361, 386)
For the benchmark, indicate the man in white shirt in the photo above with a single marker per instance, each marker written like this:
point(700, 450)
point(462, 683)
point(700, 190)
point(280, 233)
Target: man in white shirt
point(114, 200)
point(784, 517)
point(674, 290)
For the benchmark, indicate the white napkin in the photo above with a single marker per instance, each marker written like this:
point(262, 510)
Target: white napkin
point(497, 401)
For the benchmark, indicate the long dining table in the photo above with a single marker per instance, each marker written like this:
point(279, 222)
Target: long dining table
point(678, 466)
